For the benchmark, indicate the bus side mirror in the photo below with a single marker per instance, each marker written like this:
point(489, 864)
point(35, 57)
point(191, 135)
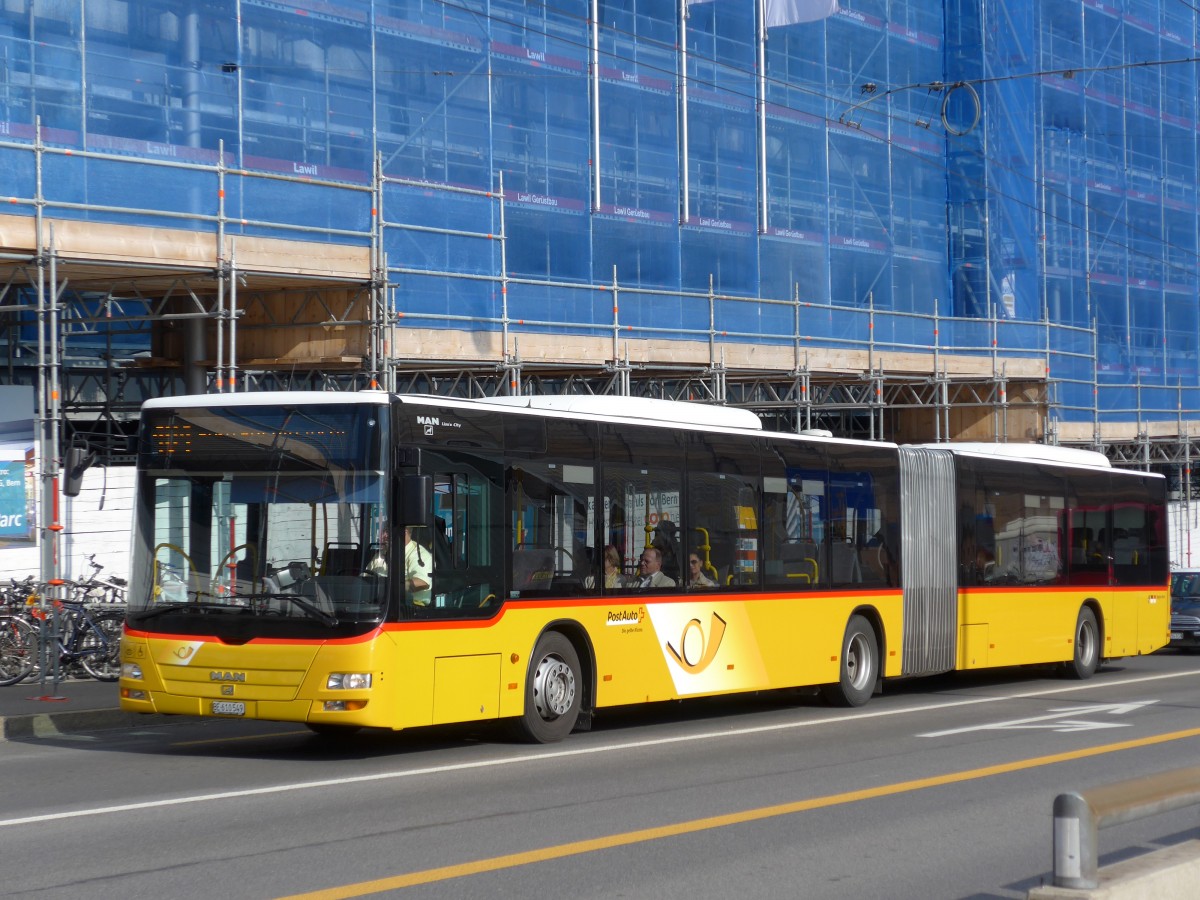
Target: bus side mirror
point(416, 500)
point(77, 462)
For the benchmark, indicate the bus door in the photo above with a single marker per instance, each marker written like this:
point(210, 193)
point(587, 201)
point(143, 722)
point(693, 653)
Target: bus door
point(463, 534)
point(1138, 574)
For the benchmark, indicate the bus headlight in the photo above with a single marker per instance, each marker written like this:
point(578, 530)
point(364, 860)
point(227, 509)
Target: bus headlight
point(348, 681)
point(131, 670)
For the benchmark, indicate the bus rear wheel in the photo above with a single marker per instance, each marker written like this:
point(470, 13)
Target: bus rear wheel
point(859, 666)
point(1087, 646)
point(553, 692)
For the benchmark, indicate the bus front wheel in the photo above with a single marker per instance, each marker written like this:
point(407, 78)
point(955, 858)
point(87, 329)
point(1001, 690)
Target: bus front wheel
point(859, 666)
point(553, 691)
point(1087, 646)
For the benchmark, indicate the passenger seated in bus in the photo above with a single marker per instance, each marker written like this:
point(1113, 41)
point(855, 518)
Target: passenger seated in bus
point(418, 569)
point(696, 578)
point(650, 567)
point(666, 541)
point(613, 578)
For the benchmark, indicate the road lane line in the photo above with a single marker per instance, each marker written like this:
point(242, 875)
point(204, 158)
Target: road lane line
point(545, 755)
point(575, 848)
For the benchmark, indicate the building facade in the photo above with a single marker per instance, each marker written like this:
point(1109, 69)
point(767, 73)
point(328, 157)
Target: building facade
point(885, 207)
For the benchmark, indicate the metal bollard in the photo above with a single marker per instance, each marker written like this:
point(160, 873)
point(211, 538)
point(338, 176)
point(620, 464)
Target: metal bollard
point(1075, 854)
point(1079, 816)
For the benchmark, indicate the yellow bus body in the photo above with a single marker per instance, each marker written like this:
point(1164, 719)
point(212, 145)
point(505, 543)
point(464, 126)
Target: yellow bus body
point(634, 649)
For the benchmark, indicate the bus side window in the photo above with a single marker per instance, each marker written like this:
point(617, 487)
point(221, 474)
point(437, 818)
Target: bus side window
point(548, 504)
point(462, 538)
point(638, 502)
point(721, 511)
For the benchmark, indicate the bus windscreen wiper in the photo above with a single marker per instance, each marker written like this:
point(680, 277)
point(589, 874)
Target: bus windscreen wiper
point(315, 611)
point(159, 609)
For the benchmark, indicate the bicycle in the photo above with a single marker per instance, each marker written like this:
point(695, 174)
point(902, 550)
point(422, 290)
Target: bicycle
point(91, 640)
point(18, 636)
point(96, 590)
point(18, 649)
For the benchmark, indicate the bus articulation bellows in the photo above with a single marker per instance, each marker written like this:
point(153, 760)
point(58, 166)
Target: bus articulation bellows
point(395, 561)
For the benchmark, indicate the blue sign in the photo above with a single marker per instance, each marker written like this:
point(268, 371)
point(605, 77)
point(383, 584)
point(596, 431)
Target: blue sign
point(14, 500)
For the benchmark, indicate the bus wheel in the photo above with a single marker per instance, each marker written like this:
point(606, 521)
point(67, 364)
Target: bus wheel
point(860, 666)
point(1087, 646)
point(553, 688)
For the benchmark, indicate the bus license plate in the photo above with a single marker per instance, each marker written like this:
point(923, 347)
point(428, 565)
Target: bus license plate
point(228, 708)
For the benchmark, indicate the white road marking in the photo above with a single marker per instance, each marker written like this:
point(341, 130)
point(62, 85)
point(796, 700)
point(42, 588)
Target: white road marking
point(541, 756)
point(1054, 720)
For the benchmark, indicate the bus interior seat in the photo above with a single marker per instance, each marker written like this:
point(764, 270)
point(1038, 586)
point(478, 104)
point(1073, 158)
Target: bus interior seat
point(1125, 549)
point(800, 561)
point(844, 567)
point(533, 569)
point(341, 558)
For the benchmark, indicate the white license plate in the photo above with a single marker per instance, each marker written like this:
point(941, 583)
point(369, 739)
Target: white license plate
point(228, 708)
point(1177, 635)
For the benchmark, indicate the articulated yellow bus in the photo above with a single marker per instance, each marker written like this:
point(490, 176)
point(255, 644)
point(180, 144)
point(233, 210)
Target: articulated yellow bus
point(372, 560)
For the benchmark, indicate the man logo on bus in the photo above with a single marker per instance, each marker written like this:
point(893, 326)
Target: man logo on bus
point(695, 654)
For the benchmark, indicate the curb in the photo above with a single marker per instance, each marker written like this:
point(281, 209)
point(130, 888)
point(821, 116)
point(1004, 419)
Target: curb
point(48, 725)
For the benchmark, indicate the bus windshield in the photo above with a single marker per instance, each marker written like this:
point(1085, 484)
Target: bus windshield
point(271, 515)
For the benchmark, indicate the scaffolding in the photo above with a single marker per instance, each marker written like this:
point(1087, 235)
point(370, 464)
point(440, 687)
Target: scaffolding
point(132, 324)
point(96, 332)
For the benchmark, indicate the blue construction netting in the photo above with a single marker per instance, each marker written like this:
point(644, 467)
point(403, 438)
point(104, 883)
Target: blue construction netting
point(1020, 177)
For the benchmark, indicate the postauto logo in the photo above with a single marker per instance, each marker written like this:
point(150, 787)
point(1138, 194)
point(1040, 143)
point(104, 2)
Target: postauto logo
point(696, 649)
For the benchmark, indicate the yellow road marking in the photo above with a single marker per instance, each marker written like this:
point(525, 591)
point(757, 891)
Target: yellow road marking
point(512, 860)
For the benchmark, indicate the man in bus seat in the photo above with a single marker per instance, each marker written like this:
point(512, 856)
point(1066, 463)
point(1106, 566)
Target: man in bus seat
point(650, 571)
point(418, 569)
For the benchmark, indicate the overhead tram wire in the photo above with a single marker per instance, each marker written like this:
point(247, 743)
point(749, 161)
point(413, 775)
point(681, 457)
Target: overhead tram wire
point(941, 168)
point(1069, 200)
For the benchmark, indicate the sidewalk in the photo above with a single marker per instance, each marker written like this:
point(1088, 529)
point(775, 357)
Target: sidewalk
point(36, 709)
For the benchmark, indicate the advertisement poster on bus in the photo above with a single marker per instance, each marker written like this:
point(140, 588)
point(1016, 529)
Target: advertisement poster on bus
point(18, 488)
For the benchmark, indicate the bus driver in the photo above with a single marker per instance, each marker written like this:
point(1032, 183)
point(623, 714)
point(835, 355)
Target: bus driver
point(418, 568)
